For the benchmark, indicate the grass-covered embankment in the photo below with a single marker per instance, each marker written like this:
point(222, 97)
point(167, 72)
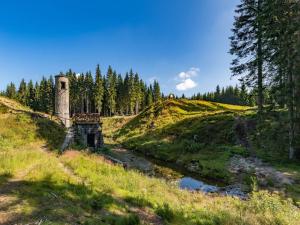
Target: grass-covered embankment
point(203, 136)
point(38, 186)
point(186, 132)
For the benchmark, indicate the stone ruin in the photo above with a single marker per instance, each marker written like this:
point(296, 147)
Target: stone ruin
point(84, 129)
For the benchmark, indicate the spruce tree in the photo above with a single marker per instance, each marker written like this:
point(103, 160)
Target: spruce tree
point(149, 99)
point(22, 92)
point(111, 77)
point(120, 95)
point(247, 44)
point(131, 92)
point(99, 90)
point(156, 91)
point(11, 91)
point(138, 93)
point(30, 98)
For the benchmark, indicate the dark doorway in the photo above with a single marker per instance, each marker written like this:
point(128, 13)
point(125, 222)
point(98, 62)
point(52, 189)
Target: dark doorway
point(91, 140)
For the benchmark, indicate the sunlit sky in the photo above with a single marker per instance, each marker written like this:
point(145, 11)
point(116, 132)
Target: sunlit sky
point(182, 43)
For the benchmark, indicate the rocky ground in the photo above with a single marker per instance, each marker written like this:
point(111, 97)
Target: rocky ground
point(264, 173)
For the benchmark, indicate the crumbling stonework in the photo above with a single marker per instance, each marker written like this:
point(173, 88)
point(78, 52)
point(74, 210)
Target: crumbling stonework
point(62, 99)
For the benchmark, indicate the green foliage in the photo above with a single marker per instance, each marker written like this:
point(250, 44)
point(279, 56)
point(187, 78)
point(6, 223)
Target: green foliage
point(165, 212)
point(230, 95)
point(3, 109)
point(183, 131)
point(107, 95)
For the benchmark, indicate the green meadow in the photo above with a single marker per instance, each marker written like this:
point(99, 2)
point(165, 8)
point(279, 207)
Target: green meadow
point(38, 184)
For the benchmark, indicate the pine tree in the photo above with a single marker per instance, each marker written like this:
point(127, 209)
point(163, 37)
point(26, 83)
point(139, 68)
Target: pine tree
point(11, 91)
point(149, 100)
point(111, 77)
point(22, 92)
point(43, 98)
point(243, 95)
point(88, 91)
point(131, 92)
point(156, 91)
point(120, 95)
point(30, 98)
point(247, 44)
point(217, 93)
point(126, 96)
point(82, 91)
point(138, 93)
point(36, 105)
point(99, 90)
point(73, 92)
point(51, 95)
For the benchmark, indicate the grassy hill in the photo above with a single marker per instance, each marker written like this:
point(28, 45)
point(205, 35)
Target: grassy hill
point(185, 131)
point(40, 186)
point(203, 137)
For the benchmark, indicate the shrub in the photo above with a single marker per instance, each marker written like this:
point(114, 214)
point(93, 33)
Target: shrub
point(165, 212)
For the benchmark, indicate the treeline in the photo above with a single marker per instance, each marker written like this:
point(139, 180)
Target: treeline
point(109, 94)
point(266, 46)
point(229, 95)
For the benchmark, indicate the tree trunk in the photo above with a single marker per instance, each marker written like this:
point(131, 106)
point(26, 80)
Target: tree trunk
point(259, 63)
point(291, 101)
point(291, 117)
point(297, 96)
point(136, 107)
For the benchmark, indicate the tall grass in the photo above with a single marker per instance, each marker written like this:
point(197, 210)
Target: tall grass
point(179, 206)
point(80, 188)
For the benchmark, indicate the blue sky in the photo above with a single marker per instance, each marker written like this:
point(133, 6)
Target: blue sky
point(181, 43)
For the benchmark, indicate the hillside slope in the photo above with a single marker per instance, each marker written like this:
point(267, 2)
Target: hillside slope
point(39, 186)
point(185, 132)
point(206, 138)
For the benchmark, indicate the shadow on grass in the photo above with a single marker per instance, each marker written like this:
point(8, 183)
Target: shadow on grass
point(51, 131)
point(62, 203)
point(4, 177)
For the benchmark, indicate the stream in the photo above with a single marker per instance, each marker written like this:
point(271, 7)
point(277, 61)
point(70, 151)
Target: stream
point(173, 173)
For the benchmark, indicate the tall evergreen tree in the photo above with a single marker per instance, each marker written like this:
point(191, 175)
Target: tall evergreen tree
point(137, 93)
point(111, 78)
point(30, 98)
point(11, 91)
point(156, 91)
point(247, 44)
point(22, 92)
point(120, 95)
point(99, 90)
point(131, 92)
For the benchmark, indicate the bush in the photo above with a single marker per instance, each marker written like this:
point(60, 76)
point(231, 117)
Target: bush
point(165, 212)
point(131, 219)
point(192, 146)
point(104, 150)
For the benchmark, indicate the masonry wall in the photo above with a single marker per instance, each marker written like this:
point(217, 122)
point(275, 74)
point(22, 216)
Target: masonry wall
point(82, 131)
point(62, 99)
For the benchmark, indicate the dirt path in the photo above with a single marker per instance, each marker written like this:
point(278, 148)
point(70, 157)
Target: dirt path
point(8, 201)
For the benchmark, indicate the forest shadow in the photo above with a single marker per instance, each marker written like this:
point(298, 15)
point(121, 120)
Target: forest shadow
point(52, 132)
point(49, 130)
point(50, 201)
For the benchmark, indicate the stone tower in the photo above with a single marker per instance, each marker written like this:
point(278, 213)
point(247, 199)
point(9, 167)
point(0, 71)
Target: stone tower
point(62, 99)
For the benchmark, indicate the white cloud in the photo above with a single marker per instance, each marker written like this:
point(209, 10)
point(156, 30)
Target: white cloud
point(192, 72)
point(77, 74)
point(185, 79)
point(186, 84)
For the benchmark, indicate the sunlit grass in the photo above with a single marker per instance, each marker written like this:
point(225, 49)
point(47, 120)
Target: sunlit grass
point(83, 188)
